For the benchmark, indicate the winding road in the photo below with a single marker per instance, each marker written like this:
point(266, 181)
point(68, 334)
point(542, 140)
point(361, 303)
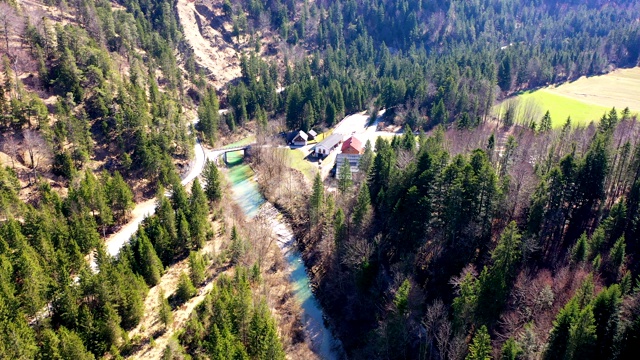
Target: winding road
point(144, 209)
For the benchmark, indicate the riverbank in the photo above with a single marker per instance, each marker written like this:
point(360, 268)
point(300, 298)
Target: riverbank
point(247, 193)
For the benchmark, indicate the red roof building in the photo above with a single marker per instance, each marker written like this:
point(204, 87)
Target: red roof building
point(352, 146)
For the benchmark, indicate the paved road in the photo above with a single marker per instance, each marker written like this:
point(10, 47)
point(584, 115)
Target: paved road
point(147, 208)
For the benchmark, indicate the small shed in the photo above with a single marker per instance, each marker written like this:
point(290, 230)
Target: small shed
point(312, 135)
point(326, 146)
point(300, 139)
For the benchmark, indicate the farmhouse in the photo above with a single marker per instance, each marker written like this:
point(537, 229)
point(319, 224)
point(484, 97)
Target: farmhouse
point(326, 146)
point(351, 151)
point(300, 139)
point(352, 146)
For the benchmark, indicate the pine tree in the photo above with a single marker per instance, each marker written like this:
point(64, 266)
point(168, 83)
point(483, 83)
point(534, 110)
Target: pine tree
point(330, 114)
point(580, 249)
point(505, 74)
point(607, 310)
point(339, 227)
point(480, 348)
point(362, 207)
point(263, 341)
point(408, 139)
point(582, 335)
point(510, 350)
point(208, 115)
point(465, 304)
point(184, 235)
point(560, 333)
point(545, 123)
point(198, 215)
point(401, 300)
point(617, 255)
point(439, 114)
point(71, 346)
point(119, 196)
point(345, 182)
point(237, 247)
point(366, 159)
point(196, 267)
point(179, 198)
point(212, 181)
point(316, 201)
point(185, 290)
point(164, 309)
point(149, 264)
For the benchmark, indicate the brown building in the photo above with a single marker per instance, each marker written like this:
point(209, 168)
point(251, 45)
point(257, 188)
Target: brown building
point(352, 146)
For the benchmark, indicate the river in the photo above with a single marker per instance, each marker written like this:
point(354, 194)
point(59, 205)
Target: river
point(247, 194)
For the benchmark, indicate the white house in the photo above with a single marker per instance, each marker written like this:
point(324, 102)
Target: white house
point(300, 139)
point(326, 146)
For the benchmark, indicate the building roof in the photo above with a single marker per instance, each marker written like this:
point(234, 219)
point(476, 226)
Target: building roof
point(301, 134)
point(354, 143)
point(331, 141)
point(312, 133)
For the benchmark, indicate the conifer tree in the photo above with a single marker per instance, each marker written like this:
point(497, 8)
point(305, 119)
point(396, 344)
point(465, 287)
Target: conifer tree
point(545, 123)
point(366, 159)
point(196, 267)
point(149, 264)
point(408, 139)
point(480, 347)
point(119, 196)
point(198, 215)
point(339, 227)
point(184, 235)
point(237, 247)
point(212, 187)
point(316, 201)
point(606, 311)
point(580, 249)
point(185, 290)
point(362, 207)
point(617, 255)
point(345, 181)
point(164, 309)
point(510, 350)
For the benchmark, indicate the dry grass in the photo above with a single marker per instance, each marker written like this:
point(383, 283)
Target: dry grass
point(150, 325)
point(619, 88)
point(584, 100)
point(211, 50)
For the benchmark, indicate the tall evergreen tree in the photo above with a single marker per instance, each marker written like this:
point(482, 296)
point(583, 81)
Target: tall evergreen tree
point(212, 187)
point(316, 201)
point(480, 347)
point(198, 215)
point(345, 181)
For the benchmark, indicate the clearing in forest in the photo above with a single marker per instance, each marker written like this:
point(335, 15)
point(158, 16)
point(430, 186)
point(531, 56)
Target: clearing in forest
point(585, 99)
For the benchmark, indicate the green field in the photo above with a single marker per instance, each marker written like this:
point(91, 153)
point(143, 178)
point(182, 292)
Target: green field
point(298, 162)
point(585, 99)
point(560, 107)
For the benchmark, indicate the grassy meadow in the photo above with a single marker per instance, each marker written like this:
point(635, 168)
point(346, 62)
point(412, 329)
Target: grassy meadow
point(584, 100)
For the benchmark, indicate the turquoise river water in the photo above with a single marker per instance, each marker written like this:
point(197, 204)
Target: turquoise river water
point(247, 194)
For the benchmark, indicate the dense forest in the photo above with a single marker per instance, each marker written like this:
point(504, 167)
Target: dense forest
point(432, 63)
point(489, 238)
point(524, 246)
point(92, 114)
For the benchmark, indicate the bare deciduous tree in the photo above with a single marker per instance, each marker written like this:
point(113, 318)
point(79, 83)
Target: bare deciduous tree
point(8, 18)
point(11, 147)
point(38, 151)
